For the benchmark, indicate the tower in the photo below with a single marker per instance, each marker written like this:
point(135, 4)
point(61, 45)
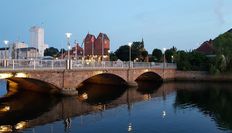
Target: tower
point(37, 39)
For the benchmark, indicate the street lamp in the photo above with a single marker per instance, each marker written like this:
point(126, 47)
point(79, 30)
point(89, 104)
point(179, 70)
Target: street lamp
point(68, 35)
point(164, 49)
point(6, 43)
point(129, 44)
point(172, 58)
point(102, 46)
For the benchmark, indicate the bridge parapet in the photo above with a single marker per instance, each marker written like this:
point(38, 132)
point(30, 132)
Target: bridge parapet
point(26, 64)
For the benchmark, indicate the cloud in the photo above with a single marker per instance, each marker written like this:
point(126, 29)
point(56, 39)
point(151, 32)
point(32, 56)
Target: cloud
point(218, 10)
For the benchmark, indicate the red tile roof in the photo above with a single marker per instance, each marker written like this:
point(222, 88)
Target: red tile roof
point(206, 48)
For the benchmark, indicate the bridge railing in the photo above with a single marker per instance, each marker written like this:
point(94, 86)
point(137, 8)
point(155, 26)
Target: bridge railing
point(22, 64)
point(32, 64)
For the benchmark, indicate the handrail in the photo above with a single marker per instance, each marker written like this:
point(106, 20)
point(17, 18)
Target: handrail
point(36, 64)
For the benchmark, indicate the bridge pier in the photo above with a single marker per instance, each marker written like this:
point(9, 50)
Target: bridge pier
point(132, 84)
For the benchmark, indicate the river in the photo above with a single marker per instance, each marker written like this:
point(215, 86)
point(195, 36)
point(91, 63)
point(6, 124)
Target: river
point(165, 108)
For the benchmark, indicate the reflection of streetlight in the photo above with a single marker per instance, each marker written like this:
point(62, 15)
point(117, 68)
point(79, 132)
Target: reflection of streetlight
point(129, 44)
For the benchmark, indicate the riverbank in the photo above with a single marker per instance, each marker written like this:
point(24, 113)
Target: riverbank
point(201, 76)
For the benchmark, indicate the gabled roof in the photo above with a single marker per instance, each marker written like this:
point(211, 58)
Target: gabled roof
point(104, 35)
point(206, 48)
point(89, 37)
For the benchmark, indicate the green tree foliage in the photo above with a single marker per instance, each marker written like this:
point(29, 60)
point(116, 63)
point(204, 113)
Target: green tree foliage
point(113, 57)
point(169, 54)
point(51, 52)
point(223, 47)
point(144, 55)
point(157, 55)
point(122, 53)
point(137, 51)
point(191, 61)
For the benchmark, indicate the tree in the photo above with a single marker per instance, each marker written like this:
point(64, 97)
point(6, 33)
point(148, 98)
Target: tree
point(223, 46)
point(123, 53)
point(113, 57)
point(136, 51)
point(51, 52)
point(144, 55)
point(157, 55)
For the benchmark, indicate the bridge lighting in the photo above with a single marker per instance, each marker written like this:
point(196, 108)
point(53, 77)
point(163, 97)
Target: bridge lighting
point(84, 96)
point(5, 75)
point(99, 72)
point(21, 75)
point(5, 129)
point(5, 109)
point(20, 125)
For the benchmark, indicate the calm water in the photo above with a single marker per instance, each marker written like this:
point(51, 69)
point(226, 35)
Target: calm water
point(167, 108)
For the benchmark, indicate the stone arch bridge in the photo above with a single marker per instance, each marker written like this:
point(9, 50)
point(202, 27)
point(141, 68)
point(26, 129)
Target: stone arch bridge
point(70, 79)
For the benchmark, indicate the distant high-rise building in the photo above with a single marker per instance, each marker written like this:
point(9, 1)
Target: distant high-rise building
point(37, 39)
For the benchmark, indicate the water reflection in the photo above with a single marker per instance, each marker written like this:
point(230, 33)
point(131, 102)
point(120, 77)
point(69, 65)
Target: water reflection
point(214, 100)
point(24, 106)
point(96, 94)
point(148, 87)
point(124, 109)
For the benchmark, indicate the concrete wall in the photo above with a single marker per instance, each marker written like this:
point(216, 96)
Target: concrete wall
point(201, 76)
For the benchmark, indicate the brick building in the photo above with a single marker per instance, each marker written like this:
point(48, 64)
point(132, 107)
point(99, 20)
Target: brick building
point(96, 47)
point(75, 53)
point(89, 44)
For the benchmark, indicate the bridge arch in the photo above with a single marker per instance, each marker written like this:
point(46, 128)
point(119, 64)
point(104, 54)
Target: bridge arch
point(32, 84)
point(149, 76)
point(104, 78)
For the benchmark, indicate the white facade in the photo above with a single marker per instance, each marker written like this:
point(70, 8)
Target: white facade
point(17, 45)
point(37, 39)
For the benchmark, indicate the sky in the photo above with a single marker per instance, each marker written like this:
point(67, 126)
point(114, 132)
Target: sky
point(184, 24)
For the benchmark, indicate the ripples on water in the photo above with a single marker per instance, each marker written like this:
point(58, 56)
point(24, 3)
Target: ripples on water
point(171, 107)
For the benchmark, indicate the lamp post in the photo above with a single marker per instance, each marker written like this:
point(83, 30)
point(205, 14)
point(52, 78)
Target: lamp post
point(172, 58)
point(83, 52)
point(102, 46)
point(129, 44)
point(5, 58)
point(164, 49)
point(68, 35)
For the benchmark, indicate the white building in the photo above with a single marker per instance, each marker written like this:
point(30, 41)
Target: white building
point(37, 39)
point(26, 53)
point(4, 53)
point(17, 45)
